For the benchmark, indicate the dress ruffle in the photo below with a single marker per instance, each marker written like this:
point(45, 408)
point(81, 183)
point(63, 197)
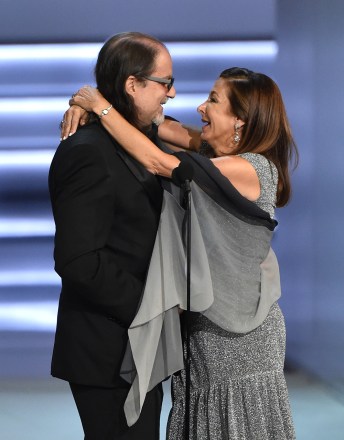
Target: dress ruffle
point(253, 407)
point(238, 389)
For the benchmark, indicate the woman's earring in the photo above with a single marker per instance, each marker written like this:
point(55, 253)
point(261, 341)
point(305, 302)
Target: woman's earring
point(236, 137)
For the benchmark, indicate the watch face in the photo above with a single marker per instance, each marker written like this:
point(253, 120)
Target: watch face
point(105, 111)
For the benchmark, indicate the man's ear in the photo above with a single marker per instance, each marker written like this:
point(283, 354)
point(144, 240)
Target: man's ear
point(130, 85)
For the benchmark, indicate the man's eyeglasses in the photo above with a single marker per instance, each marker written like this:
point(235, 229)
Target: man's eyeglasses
point(167, 82)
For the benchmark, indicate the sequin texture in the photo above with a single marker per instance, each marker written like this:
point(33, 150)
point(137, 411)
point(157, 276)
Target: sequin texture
point(238, 388)
point(268, 178)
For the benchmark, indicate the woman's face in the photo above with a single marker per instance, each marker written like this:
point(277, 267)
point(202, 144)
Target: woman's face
point(216, 113)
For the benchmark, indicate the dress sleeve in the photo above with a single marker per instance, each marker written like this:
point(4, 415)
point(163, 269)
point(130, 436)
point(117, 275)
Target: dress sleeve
point(268, 178)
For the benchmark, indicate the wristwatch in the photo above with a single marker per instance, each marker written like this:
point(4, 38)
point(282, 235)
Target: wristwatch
point(105, 111)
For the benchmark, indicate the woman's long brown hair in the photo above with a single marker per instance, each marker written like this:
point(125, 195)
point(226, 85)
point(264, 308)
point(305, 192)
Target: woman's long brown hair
point(256, 99)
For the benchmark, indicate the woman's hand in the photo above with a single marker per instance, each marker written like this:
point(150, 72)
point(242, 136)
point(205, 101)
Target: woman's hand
point(90, 99)
point(87, 99)
point(72, 118)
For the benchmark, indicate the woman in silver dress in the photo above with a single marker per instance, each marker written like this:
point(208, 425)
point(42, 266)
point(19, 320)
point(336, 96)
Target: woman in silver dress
point(238, 389)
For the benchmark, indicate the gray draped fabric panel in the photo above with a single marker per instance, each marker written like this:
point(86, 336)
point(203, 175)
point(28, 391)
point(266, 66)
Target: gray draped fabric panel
point(223, 247)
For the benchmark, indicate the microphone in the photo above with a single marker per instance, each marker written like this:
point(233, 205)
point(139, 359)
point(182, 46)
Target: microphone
point(182, 174)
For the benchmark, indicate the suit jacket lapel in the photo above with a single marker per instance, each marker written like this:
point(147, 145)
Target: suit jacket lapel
point(148, 180)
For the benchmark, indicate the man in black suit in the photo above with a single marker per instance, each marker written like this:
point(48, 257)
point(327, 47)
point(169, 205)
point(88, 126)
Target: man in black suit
point(106, 208)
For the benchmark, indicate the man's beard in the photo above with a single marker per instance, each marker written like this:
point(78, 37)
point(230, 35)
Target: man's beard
point(158, 119)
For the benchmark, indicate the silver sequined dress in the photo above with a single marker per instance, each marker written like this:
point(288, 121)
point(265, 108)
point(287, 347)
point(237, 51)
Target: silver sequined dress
point(238, 389)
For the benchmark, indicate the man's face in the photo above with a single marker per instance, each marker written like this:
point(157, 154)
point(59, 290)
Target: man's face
point(149, 96)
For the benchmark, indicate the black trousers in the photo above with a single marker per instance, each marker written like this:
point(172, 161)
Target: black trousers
point(102, 415)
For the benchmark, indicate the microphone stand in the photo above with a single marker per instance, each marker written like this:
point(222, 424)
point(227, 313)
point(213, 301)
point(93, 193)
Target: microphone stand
point(182, 176)
point(187, 199)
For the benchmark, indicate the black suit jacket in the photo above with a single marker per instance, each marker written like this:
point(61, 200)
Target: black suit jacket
point(106, 208)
